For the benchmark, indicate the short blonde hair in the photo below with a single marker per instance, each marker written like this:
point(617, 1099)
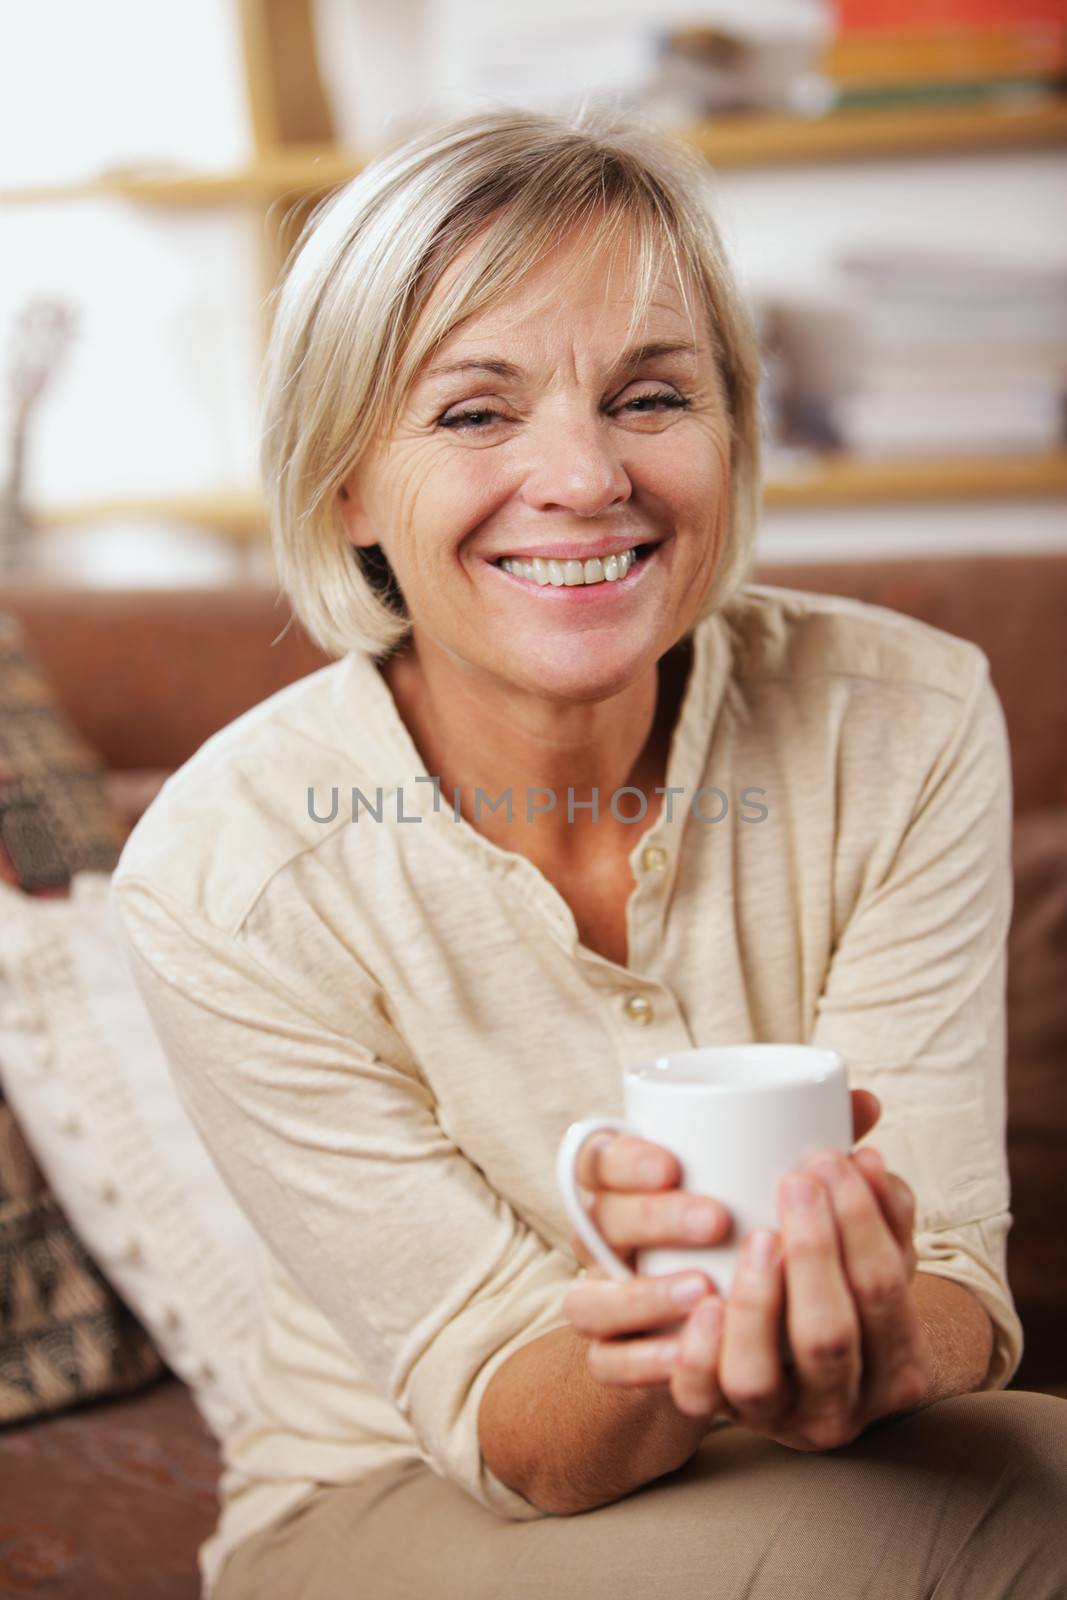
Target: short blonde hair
point(341, 358)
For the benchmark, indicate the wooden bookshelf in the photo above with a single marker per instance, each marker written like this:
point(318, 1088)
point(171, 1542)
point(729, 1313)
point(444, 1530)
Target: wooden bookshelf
point(296, 160)
point(236, 514)
point(863, 134)
point(299, 169)
point(726, 142)
point(852, 480)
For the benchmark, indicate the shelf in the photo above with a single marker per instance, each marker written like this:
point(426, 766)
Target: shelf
point(294, 169)
point(727, 142)
point(238, 514)
point(856, 135)
point(850, 480)
point(827, 481)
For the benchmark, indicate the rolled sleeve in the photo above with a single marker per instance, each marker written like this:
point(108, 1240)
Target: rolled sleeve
point(915, 1002)
point(331, 1146)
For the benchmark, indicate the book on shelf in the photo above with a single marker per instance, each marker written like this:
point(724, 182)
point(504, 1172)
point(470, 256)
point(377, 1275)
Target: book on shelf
point(893, 16)
point(992, 93)
point(915, 394)
point(934, 423)
point(914, 58)
point(927, 353)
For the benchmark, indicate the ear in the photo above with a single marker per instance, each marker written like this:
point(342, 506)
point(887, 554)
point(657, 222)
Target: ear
point(357, 527)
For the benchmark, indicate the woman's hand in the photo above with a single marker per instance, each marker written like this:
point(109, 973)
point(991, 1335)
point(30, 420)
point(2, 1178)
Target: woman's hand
point(634, 1331)
point(841, 1269)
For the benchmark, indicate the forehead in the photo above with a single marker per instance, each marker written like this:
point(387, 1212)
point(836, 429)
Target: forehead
point(582, 279)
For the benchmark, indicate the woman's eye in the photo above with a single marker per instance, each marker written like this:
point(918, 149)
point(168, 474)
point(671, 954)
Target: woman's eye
point(668, 399)
point(472, 419)
point(466, 419)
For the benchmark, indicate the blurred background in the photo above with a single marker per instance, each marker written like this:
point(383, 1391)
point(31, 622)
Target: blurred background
point(889, 176)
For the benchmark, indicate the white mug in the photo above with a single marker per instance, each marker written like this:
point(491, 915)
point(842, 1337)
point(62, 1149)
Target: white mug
point(738, 1118)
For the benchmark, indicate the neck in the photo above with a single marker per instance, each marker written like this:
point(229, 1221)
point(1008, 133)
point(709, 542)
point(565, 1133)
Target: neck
point(475, 734)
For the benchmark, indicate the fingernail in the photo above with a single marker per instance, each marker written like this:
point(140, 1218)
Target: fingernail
point(799, 1193)
point(761, 1248)
point(690, 1288)
point(705, 1323)
point(833, 1172)
point(651, 1171)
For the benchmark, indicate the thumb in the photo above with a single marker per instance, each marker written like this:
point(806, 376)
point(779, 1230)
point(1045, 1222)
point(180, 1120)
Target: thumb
point(866, 1109)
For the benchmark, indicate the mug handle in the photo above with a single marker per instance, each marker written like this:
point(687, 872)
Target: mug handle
point(566, 1159)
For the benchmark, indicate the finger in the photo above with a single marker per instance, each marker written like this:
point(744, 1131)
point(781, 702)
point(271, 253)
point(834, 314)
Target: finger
point(581, 1251)
point(876, 1271)
point(632, 1363)
point(647, 1221)
point(824, 1331)
point(624, 1161)
point(605, 1309)
point(585, 1256)
point(894, 1195)
point(750, 1364)
point(693, 1384)
point(866, 1109)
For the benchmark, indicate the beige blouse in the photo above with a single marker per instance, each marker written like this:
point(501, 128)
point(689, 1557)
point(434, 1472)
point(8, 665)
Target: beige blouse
point(381, 1027)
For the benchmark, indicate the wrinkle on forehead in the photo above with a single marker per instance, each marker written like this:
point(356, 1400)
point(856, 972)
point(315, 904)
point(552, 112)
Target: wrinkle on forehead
point(599, 263)
point(549, 303)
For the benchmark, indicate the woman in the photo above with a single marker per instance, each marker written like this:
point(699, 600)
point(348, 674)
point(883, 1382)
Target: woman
point(574, 793)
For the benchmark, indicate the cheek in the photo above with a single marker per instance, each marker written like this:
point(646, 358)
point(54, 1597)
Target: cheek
point(690, 472)
point(407, 486)
point(445, 493)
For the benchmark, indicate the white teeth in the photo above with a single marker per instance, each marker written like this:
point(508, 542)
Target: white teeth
point(571, 574)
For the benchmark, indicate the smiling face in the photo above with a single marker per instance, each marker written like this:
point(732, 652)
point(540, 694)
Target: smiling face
point(537, 429)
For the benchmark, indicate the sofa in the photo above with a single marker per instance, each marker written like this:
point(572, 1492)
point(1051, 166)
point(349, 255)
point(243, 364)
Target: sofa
point(112, 1497)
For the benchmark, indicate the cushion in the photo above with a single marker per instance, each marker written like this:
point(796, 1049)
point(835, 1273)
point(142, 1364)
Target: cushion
point(65, 1335)
point(54, 813)
point(90, 1086)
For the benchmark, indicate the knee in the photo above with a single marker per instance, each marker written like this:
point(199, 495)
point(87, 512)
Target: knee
point(1008, 1427)
point(1010, 1454)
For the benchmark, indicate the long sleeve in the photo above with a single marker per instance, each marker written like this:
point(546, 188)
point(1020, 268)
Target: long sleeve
point(331, 1146)
point(915, 1002)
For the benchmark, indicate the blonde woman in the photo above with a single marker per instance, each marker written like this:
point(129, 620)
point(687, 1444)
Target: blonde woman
point(573, 792)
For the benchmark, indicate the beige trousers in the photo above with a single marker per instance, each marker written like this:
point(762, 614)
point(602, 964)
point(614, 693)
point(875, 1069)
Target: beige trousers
point(966, 1500)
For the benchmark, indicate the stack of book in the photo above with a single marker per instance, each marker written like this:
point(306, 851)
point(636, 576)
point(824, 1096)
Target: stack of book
point(954, 356)
point(909, 52)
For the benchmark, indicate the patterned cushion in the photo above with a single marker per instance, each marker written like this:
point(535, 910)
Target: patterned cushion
point(54, 814)
point(65, 1335)
point(87, 1078)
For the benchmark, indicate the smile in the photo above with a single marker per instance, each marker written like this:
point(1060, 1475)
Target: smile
point(575, 574)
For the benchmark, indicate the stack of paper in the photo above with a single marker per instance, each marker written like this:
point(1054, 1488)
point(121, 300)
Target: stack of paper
point(954, 354)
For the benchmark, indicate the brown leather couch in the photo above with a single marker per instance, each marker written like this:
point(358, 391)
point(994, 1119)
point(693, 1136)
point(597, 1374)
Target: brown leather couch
point(112, 1499)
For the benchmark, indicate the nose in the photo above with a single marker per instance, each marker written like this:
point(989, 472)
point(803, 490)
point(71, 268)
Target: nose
point(576, 467)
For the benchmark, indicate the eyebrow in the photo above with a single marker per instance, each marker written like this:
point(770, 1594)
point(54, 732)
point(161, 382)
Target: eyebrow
point(634, 357)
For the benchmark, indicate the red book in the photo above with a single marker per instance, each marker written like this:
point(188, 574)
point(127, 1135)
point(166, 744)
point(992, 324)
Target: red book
point(938, 15)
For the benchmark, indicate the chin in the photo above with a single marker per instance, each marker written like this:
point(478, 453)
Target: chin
point(580, 672)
